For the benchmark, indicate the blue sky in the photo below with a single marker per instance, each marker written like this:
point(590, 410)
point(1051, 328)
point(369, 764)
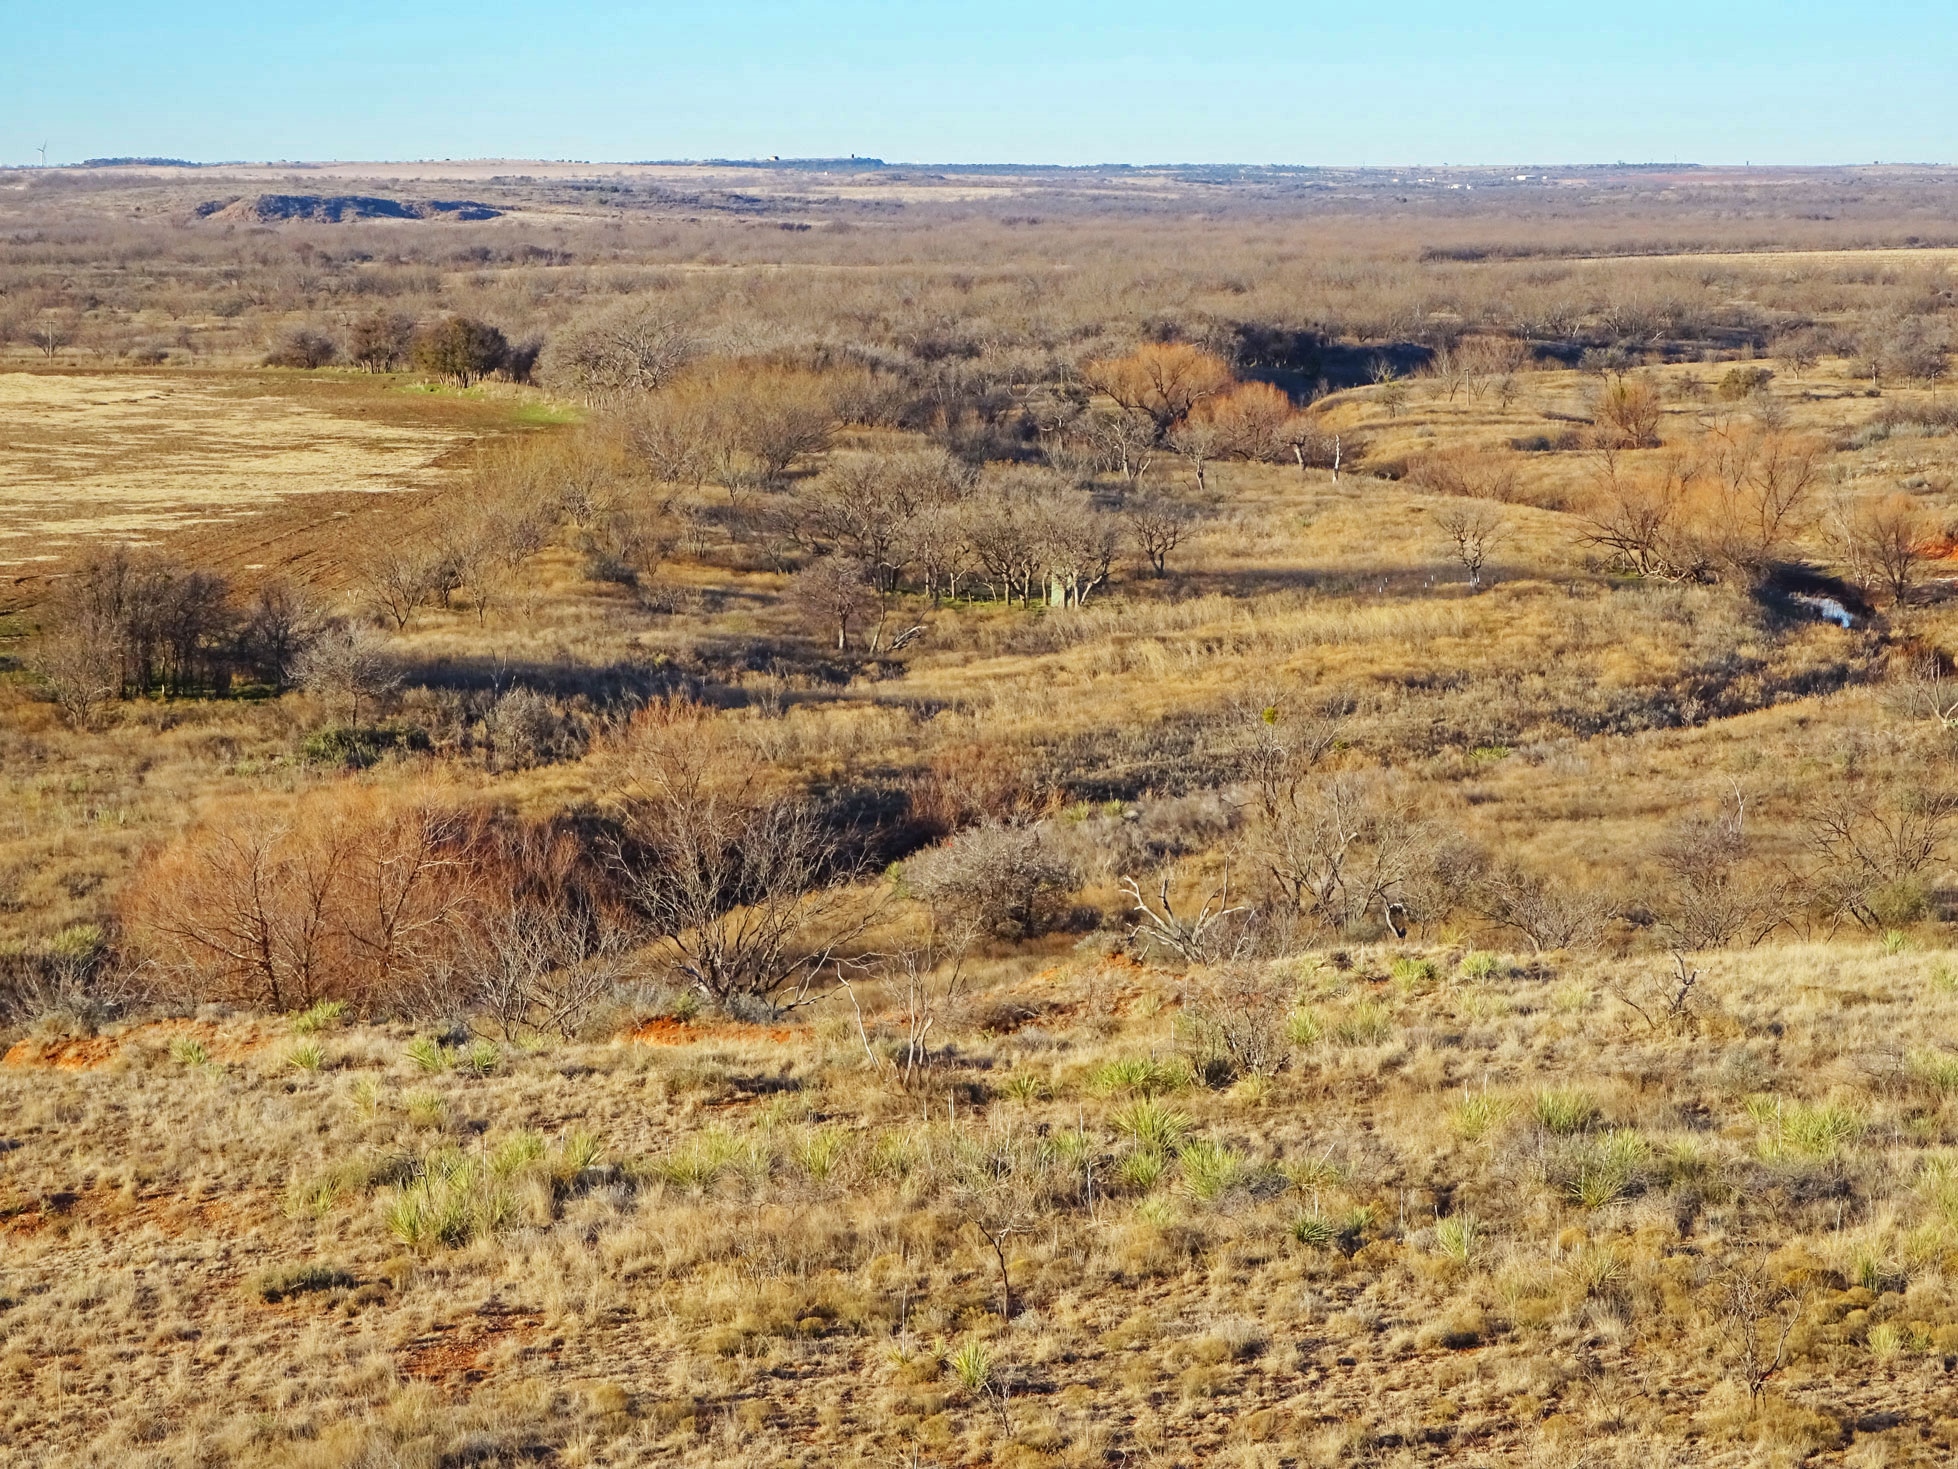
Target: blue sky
point(1502, 81)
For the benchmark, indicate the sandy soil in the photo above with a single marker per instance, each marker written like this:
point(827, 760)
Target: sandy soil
point(134, 455)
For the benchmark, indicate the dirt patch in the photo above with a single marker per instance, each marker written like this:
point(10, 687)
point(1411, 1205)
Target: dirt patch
point(668, 1032)
point(90, 1053)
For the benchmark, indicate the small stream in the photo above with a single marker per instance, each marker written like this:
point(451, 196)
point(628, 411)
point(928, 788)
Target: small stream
point(1825, 609)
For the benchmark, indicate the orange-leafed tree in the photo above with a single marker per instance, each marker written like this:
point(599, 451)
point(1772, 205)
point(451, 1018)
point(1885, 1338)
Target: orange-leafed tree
point(1252, 419)
point(1161, 381)
point(343, 895)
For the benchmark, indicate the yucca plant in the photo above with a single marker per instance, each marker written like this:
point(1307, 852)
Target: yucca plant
point(1153, 1126)
point(427, 1054)
point(1141, 1076)
point(319, 1016)
point(1478, 1115)
point(1315, 1229)
point(972, 1364)
point(190, 1051)
point(1210, 1169)
point(1457, 1236)
point(306, 1056)
point(1564, 1110)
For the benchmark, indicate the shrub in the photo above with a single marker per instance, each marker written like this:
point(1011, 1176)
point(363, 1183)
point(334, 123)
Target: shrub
point(1742, 382)
point(1564, 1110)
point(526, 729)
point(995, 881)
point(1234, 1024)
point(459, 348)
point(356, 749)
point(303, 348)
point(282, 1282)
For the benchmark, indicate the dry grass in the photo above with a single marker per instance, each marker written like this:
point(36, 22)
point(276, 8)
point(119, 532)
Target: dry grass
point(731, 1250)
point(1438, 1202)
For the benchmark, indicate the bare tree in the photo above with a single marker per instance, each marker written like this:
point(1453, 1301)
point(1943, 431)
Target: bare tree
point(81, 661)
point(1198, 441)
point(1161, 381)
point(1340, 850)
point(1157, 525)
point(744, 889)
point(838, 596)
point(1873, 848)
point(619, 351)
point(1928, 690)
point(1195, 938)
point(1712, 896)
point(1474, 527)
point(346, 660)
point(1884, 543)
point(401, 579)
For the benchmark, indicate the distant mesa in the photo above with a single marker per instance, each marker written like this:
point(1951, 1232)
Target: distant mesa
point(340, 208)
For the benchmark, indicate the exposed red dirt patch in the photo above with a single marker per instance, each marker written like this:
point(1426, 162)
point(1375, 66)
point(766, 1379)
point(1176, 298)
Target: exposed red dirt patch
point(88, 1053)
point(670, 1032)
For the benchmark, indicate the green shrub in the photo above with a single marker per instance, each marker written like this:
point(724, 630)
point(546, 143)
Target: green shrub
point(1564, 1110)
point(359, 748)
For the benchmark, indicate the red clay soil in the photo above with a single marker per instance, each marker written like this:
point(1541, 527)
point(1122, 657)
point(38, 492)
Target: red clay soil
point(88, 1053)
point(669, 1032)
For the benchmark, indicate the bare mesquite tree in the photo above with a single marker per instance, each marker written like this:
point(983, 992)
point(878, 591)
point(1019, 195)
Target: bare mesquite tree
point(1339, 851)
point(348, 896)
point(840, 600)
point(1873, 848)
point(1728, 507)
point(744, 888)
point(1160, 382)
point(1714, 891)
point(1883, 542)
point(1157, 525)
point(619, 352)
point(347, 660)
point(1473, 529)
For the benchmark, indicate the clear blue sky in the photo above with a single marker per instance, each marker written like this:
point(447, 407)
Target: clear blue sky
point(1022, 80)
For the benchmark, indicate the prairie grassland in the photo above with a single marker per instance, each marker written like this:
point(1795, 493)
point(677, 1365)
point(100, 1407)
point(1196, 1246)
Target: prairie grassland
point(1478, 1209)
point(1034, 1190)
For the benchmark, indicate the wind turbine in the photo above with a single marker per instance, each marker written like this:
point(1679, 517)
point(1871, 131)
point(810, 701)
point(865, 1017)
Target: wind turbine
point(43, 150)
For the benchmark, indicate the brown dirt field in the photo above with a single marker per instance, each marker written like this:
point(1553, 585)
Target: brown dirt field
point(241, 471)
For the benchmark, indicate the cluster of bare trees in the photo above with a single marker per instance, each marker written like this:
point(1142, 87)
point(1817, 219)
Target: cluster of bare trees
point(459, 348)
point(1174, 398)
point(125, 623)
point(1726, 507)
point(704, 877)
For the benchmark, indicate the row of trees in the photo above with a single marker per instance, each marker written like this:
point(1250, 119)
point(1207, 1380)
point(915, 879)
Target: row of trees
point(461, 349)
